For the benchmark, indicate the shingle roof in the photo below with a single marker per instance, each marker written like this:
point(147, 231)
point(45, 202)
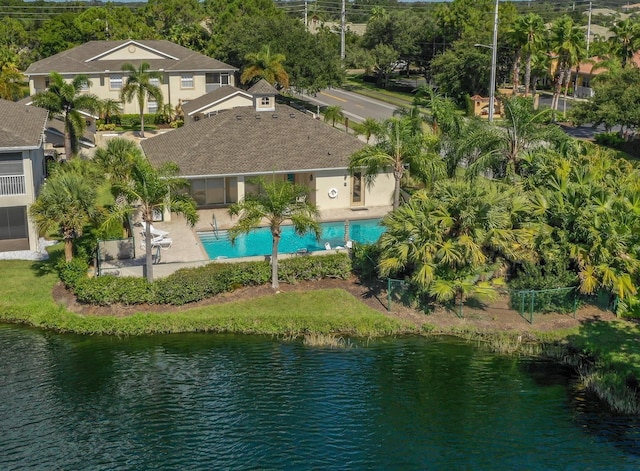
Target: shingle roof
point(243, 141)
point(74, 61)
point(263, 88)
point(21, 126)
point(210, 98)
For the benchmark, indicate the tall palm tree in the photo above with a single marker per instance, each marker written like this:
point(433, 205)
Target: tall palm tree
point(11, 80)
point(625, 41)
point(67, 204)
point(370, 127)
point(265, 65)
point(501, 149)
point(139, 85)
point(569, 46)
point(148, 190)
point(66, 100)
point(529, 32)
point(276, 201)
point(398, 147)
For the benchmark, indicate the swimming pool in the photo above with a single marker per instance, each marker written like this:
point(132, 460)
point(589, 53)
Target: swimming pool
point(258, 242)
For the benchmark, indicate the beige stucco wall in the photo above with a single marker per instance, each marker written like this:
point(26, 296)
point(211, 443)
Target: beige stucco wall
point(379, 194)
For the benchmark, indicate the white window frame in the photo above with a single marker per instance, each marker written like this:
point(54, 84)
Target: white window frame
point(150, 109)
point(186, 81)
point(265, 101)
point(224, 79)
point(155, 81)
point(116, 82)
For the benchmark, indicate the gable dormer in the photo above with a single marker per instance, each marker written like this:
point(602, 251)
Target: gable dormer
point(131, 51)
point(264, 96)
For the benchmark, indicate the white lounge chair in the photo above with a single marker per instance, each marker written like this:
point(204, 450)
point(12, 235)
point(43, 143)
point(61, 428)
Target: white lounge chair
point(162, 242)
point(327, 246)
point(155, 232)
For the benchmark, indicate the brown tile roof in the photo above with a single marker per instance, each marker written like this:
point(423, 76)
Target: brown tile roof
point(21, 126)
point(263, 88)
point(219, 94)
point(73, 61)
point(243, 141)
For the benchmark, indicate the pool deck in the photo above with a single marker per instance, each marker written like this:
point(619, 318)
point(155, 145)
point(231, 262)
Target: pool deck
point(186, 250)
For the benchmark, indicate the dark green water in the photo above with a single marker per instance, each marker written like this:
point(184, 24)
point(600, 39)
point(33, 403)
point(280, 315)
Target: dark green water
point(213, 402)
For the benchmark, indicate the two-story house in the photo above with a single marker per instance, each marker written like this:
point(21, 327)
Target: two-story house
point(22, 171)
point(186, 74)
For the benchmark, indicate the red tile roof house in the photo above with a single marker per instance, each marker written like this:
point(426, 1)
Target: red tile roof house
point(222, 150)
point(22, 172)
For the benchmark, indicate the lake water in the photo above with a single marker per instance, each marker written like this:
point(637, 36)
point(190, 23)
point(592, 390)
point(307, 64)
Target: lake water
point(224, 402)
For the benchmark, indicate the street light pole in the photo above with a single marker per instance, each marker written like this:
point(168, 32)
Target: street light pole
point(494, 60)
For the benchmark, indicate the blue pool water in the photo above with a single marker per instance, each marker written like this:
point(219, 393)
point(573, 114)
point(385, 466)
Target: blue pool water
point(258, 241)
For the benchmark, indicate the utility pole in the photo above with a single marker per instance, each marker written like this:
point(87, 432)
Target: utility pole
point(306, 20)
point(343, 16)
point(589, 29)
point(494, 60)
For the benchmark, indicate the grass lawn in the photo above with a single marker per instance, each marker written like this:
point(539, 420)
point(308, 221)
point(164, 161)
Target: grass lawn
point(26, 298)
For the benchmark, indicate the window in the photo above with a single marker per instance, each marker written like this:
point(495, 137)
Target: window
point(84, 86)
point(115, 82)
point(11, 164)
point(224, 79)
point(154, 81)
point(153, 106)
point(186, 81)
point(265, 101)
point(13, 222)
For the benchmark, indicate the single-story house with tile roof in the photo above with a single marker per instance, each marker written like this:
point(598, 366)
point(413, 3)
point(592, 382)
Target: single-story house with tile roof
point(22, 171)
point(186, 74)
point(219, 155)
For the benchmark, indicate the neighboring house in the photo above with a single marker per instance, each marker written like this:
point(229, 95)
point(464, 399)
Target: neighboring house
point(590, 69)
point(22, 171)
point(186, 74)
point(212, 103)
point(219, 154)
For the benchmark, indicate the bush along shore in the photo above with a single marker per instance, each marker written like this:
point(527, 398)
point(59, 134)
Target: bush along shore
point(605, 354)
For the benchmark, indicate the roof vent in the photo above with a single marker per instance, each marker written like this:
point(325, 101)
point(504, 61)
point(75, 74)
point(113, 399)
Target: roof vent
point(238, 117)
point(274, 116)
point(258, 116)
point(292, 115)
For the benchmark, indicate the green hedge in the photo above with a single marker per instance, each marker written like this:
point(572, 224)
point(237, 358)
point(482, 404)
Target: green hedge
point(194, 284)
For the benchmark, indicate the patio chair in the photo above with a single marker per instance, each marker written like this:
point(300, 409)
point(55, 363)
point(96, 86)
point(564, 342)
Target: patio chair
point(155, 232)
point(161, 242)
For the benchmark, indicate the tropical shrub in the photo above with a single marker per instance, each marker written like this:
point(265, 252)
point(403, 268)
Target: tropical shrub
point(195, 284)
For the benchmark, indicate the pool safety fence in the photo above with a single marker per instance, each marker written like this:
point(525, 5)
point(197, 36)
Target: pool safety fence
point(398, 291)
point(542, 301)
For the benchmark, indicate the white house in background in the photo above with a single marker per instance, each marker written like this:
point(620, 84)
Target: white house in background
point(186, 74)
point(22, 171)
point(221, 152)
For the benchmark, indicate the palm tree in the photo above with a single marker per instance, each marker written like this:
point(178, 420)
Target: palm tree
point(116, 160)
point(276, 201)
point(568, 45)
point(149, 190)
point(108, 108)
point(456, 236)
point(400, 149)
point(371, 127)
point(66, 100)
point(529, 32)
point(333, 114)
point(66, 204)
point(265, 65)
point(502, 149)
point(625, 41)
point(139, 85)
point(11, 80)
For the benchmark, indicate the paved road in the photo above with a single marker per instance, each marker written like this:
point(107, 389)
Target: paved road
point(354, 106)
